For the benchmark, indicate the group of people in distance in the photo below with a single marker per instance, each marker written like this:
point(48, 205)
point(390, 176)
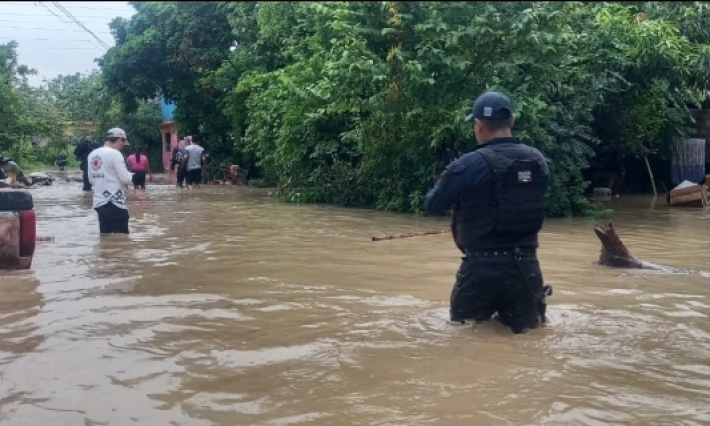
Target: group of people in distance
point(136, 162)
point(187, 161)
point(110, 174)
point(188, 158)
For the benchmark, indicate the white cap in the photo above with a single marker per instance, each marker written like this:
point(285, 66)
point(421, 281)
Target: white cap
point(117, 133)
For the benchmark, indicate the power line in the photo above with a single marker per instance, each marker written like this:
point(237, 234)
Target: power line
point(37, 14)
point(44, 21)
point(26, 3)
point(48, 29)
point(42, 39)
point(73, 18)
point(55, 14)
point(63, 48)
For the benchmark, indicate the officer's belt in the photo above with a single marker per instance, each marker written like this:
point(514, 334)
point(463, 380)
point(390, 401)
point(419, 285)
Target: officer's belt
point(524, 252)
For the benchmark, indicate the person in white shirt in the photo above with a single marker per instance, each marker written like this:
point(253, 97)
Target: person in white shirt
point(195, 159)
point(110, 178)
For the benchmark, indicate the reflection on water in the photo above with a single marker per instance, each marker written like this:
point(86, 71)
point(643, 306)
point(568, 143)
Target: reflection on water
point(224, 307)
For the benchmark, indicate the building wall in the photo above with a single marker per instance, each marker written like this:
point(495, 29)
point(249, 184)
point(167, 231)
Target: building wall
point(168, 131)
point(73, 128)
point(167, 109)
point(169, 141)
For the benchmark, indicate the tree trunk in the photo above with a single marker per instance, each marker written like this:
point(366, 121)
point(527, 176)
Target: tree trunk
point(615, 254)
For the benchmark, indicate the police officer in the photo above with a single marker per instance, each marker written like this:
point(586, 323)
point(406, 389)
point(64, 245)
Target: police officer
point(497, 193)
point(81, 152)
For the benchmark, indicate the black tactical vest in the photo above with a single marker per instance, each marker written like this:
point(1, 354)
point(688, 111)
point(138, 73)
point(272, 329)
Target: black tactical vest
point(510, 210)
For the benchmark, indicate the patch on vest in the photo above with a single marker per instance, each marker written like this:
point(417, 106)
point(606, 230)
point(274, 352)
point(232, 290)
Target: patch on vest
point(525, 177)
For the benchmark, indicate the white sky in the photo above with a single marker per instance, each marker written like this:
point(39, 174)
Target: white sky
point(53, 47)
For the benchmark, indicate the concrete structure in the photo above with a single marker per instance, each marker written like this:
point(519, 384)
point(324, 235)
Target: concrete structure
point(72, 130)
point(75, 128)
point(168, 130)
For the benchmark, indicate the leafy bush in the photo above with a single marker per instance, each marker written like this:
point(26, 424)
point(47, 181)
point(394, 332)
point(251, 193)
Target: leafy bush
point(362, 103)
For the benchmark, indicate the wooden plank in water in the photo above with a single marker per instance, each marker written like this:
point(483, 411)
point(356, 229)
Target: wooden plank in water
point(692, 196)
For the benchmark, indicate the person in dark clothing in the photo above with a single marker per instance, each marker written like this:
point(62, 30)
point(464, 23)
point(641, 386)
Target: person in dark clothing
point(179, 162)
point(173, 157)
point(497, 193)
point(206, 167)
point(61, 161)
point(81, 152)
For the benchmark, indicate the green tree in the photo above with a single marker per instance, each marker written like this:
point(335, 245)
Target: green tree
point(24, 114)
point(362, 103)
point(171, 48)
point(85, 99)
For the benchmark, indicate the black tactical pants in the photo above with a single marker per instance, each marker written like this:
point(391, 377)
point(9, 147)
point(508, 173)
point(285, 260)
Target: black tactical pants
point(112, 219)
point(84, 166)
point(488, 282)
point(181, 176)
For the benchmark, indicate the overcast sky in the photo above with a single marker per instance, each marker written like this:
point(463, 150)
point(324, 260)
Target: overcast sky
point(51, 42)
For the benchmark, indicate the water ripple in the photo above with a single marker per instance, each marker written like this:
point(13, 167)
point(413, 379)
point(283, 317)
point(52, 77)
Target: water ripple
point(224, 307)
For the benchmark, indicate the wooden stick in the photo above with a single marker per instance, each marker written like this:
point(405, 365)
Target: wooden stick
point(411, 234)
point(650, 173)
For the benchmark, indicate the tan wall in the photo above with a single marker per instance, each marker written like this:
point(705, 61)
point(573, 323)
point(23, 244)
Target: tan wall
point(85, 128)
point(168, 127)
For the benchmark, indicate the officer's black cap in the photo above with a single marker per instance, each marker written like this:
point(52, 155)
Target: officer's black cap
point(491, 106)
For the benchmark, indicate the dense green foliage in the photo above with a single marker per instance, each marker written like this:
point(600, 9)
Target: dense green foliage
point(22, 112)
point(65, 102)
point(362, 103)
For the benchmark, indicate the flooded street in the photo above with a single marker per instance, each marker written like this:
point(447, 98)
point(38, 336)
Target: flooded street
point(225, 307)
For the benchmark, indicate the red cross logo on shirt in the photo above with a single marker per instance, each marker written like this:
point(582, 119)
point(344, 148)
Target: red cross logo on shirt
point(96, 163)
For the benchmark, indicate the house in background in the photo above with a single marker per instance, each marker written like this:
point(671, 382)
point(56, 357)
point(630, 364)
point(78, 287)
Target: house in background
point(168, 130)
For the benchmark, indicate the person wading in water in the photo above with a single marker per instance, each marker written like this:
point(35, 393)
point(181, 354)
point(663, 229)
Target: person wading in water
point(498, 196)
point(61, 161)
point(173, 161)
point(139, 165)
point(195, 161)
point(180, 163)
point(109, 176)
point(81, 152)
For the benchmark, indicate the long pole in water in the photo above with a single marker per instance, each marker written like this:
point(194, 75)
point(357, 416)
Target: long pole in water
point(410, 234)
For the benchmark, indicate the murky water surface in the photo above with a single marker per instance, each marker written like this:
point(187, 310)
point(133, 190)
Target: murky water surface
point(224, 307)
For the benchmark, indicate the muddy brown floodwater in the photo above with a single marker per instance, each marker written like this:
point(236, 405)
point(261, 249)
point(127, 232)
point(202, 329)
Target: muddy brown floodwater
point(224, 307)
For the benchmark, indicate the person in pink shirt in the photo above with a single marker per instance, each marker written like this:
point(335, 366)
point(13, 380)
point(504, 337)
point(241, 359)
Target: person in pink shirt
point(138, 164)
